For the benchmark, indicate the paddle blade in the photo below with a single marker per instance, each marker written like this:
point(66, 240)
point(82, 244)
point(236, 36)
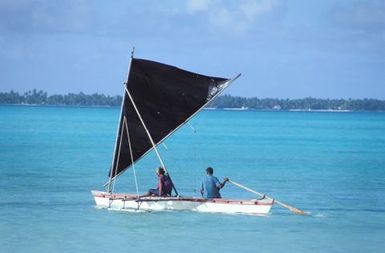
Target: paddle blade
point(291, 208)
point(297, 211)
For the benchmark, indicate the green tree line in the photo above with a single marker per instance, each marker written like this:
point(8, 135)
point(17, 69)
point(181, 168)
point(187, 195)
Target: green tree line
point(40, 97)
point(308, 103)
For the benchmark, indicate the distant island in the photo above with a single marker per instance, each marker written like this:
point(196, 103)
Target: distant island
point(34, 97)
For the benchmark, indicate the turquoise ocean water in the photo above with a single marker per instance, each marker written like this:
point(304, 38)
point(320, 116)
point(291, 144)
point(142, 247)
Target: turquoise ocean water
point(331, 165)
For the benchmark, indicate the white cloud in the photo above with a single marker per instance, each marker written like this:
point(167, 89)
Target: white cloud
point(226, 20)
point(367, 16)
point(43, 16)
point(252, 9)
point(236, 17)
point(197, 5)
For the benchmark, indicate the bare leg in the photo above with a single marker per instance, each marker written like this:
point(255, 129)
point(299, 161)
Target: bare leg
point(147, 194)
point(151, 192)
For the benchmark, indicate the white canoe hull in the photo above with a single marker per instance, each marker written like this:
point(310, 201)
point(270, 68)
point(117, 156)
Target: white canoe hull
point(129, 202)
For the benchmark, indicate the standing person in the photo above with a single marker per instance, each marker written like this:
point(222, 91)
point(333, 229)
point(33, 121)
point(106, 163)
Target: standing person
point(164, 185)
point(211, 185)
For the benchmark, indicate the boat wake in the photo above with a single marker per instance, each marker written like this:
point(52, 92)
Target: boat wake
point(318, 215)
point(128, 210)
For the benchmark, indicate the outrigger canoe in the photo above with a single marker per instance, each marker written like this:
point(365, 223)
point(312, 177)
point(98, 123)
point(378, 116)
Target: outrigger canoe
point(159, 99)
point(130, 202)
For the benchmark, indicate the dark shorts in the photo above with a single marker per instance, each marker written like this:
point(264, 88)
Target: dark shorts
point(154, 192)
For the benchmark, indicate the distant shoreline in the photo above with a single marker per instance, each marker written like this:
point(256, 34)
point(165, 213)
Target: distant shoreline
point(61, 105)
point(224, 102)
point(273, 110)
point(205, 109)
point(295, 110)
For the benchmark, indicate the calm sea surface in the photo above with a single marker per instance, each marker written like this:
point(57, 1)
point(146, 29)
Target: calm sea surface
point(331, 165)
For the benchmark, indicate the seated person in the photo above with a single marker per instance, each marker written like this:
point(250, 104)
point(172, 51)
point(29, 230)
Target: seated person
point(164, 185)
point(211, 185)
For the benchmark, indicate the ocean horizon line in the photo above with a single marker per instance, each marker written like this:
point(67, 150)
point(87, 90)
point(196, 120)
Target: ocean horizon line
point(226, 102)
point(233, 109)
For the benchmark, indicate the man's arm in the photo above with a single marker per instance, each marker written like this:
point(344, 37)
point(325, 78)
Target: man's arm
point(202, 190)
point(224, 182)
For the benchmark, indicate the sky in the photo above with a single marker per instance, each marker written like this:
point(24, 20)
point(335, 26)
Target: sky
point(283, 48)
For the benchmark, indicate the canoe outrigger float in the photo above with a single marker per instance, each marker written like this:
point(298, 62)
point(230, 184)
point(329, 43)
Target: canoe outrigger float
point(158, 99)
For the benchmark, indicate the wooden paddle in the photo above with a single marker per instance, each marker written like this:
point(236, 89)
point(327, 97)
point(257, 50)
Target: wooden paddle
point(291, 208)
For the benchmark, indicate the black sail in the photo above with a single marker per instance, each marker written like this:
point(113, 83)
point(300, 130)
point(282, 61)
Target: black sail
point(166, 97)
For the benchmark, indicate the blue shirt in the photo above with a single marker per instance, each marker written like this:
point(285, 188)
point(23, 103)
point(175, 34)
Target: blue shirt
point(211, 187)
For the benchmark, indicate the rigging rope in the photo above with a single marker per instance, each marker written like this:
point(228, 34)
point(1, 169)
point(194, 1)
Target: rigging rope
point(116, 143)
point(198, 154)
point(117, 162)
point(131, 155)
